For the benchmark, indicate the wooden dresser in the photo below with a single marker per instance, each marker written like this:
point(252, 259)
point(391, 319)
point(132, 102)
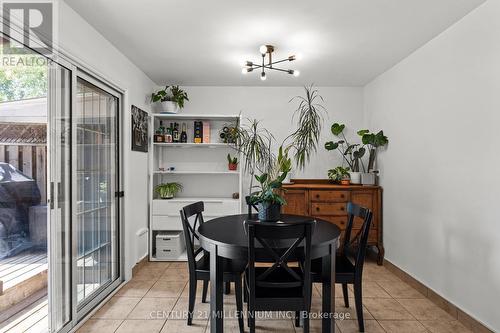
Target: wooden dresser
point(322, 199)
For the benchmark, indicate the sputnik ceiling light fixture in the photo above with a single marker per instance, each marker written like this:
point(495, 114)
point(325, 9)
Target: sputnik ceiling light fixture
point(268, 49)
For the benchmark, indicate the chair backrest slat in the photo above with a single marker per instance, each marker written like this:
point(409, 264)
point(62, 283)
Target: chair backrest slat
point(250, 206)
point(359, 251)
point(190, 231)
point(279, 242)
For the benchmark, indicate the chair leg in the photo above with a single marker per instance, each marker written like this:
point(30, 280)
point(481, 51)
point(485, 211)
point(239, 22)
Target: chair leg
point(239, 303)
point(346, 295)
point(358, 299)
point(251, 321)
point(305, 321)
point(192, 299)
point(245, 291)
point(227, 288)
point(205, 291)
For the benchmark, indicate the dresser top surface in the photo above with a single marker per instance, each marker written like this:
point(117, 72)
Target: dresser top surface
point(323, 184)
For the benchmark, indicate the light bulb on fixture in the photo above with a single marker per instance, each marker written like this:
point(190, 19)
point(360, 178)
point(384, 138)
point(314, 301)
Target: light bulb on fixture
point(296, 73)
point(244, 71)
point(263, 76)
point(263, 49)
point(292, 58)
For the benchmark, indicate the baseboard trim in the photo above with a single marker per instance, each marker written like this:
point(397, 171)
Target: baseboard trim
point(467, 320)
point(139, 265)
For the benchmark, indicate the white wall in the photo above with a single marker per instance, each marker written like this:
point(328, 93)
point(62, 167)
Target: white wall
point(440, 108)
point(82, 41)
point(271, 105)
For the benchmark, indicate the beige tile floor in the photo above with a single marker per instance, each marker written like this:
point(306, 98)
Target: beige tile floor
point(155, 300)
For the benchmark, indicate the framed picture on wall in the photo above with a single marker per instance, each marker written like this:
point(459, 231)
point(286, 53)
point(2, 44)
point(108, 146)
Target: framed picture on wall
point(139, 130)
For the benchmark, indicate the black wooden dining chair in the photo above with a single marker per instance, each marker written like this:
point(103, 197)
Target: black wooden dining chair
point(199, 269)
point(250, 206)
point(279, 287)
point(349, 262)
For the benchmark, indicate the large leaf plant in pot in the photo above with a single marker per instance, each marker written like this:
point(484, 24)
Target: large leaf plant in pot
point(269, 169)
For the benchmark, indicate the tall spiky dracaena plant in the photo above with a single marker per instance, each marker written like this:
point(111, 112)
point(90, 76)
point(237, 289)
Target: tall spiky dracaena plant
point(304, 141)
point(256, 143)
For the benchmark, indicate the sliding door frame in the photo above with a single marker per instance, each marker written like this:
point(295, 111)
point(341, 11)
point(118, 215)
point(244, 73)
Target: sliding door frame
point(84, 310)
point(79, 68)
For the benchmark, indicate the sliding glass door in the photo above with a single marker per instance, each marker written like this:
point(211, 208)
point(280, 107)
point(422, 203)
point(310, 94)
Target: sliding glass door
point(96, 179)
point(59, 175)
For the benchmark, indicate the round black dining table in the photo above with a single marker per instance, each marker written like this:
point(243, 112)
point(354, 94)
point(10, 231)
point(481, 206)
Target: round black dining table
point(225, 237)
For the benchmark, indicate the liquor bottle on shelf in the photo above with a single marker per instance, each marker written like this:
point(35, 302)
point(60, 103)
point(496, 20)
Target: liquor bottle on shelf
point(160, 133)
point(198, 132)
point(175, 133)
point(168, 135)
point(161, 129)
point(184, 136)
point(158, 137)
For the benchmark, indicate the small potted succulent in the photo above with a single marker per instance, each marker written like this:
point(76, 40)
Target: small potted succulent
point(232, 162)
point(168, 190)
point(339, 175)
point(169, 100)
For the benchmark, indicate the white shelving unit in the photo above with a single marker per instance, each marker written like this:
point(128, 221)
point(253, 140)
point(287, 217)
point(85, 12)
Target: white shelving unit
point(202, 170)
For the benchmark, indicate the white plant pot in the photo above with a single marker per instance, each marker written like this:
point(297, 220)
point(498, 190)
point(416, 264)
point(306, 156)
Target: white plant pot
point(355, 177)
point(368, 178)
point(166, 107)
point(288, 178)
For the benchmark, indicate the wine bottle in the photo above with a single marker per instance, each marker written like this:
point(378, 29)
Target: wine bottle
point(175, 133)
point(184, 136)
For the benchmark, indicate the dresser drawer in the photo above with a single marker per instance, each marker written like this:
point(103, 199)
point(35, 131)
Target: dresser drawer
point(212, 207)
point(330, 196)
point(328, 208)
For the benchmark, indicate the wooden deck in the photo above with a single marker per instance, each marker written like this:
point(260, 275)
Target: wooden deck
point(29, 317)
point(21, 267)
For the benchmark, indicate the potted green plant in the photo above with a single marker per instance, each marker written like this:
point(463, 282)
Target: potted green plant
point(373, 141)
point(168, 190)
point(352, 154)
point(268, 197)
point(232, 162)
point(169, 100)
point(339, 175)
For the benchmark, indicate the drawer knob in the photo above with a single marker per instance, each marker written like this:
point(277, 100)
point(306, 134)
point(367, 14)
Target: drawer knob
point(342, 196)
point(342, 208)
point(317, 208)
point(317, 196)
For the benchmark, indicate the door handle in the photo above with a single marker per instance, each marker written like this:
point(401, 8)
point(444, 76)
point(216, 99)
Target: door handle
point(51, 198)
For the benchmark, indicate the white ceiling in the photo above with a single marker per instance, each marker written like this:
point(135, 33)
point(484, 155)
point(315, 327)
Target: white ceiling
point(204, 42)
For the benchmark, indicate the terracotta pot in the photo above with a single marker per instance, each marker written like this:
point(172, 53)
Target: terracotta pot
point(345, 182)
point(233, 166)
